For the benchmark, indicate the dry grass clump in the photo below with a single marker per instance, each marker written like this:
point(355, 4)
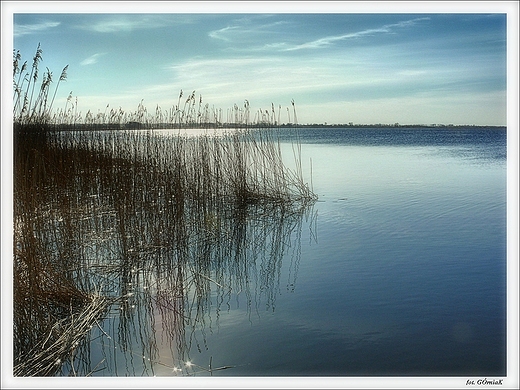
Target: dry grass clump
point(46, 355)
point(53, 304)
point(52, 307)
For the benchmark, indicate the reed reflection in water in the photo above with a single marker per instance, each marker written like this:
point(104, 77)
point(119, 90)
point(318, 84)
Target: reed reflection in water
point(174, 294)
point(166, 229)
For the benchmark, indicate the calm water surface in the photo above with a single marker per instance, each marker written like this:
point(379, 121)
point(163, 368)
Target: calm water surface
point(398, 269)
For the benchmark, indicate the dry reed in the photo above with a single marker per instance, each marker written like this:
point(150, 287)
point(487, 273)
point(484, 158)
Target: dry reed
point(94, 210)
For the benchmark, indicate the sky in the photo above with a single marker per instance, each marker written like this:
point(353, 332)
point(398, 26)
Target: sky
point(339, 64)
point(364, 62)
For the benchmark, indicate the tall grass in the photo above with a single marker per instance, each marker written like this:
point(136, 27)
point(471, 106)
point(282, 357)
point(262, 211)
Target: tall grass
point(94, 210)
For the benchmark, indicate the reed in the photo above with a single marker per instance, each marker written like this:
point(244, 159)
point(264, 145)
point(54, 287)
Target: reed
point(94, 210)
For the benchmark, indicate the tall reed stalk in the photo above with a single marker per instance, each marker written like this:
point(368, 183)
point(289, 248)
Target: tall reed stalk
point(91, 206)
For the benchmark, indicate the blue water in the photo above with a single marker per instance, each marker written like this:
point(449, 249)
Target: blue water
point(407, 276)
point(399, 269)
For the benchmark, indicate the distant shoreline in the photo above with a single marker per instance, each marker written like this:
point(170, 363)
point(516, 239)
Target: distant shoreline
point(221, 126)
point(379, 125)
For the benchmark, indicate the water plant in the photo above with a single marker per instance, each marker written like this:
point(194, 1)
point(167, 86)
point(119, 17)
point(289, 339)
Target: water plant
point(94, 211)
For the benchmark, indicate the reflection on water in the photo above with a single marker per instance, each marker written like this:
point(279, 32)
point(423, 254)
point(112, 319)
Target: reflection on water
point(172, 271)
point(409, 274)
point(398, 269)
point(173, 292)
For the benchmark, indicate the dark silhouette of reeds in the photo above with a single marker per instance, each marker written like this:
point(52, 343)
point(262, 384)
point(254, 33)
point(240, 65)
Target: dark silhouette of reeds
point(111, 220)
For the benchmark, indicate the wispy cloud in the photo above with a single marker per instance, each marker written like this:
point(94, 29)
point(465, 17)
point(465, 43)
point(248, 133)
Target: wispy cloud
point(228, 78)
point(245, 29)
point(222, 33)
point(129, 23)
point(327, 77)
point(92, 59)
point(327, 41)
point(26, 29)
point(114, 25)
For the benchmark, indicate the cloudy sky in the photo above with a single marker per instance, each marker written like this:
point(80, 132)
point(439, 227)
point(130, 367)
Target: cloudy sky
point(339, 64)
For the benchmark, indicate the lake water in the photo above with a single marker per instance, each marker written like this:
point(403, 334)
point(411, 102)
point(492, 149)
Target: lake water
point(398, 269)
